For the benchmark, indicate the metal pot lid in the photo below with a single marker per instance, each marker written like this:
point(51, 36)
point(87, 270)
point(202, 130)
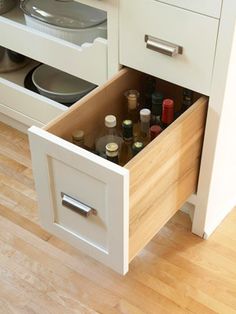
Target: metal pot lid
point(63, 13)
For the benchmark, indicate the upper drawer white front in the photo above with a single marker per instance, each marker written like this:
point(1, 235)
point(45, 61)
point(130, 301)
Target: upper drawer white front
point(208, 7)
point(144, 23)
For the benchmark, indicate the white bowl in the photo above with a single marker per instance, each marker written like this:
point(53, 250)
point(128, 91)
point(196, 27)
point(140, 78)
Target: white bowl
point(60, 86)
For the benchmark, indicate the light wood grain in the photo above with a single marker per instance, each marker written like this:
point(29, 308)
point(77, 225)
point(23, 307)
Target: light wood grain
point(177, 272)
point(169, 166)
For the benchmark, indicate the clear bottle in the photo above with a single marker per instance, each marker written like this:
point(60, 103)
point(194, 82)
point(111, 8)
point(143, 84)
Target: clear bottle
point(126, 149)
point(111, 135)
point(112, 151)
point(133, 107)
point(157, 99)
point(145, 118)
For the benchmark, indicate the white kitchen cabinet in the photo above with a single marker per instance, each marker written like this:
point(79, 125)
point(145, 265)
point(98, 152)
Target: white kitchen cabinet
point(129, 205)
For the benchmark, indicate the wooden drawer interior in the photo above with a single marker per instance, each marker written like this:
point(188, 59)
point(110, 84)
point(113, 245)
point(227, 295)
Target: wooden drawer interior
point(165, 173)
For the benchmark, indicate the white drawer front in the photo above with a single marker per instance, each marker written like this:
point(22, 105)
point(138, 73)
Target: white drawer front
point(61, 167)
point(208, 7)
point(195, 33)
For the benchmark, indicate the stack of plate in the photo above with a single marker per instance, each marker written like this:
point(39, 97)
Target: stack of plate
point(57, 85)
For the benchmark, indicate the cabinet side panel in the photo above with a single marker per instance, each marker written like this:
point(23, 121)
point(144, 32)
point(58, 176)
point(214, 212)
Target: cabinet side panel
point(171, 164)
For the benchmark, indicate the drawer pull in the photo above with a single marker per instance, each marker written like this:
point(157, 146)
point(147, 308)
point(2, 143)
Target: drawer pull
point(77, 206)
point(163, 46)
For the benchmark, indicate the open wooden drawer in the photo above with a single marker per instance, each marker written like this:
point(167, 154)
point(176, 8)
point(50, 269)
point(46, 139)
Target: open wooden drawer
point(133, 202)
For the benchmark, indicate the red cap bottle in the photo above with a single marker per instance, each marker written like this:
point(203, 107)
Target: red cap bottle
point(167, 112)
point(155, 130)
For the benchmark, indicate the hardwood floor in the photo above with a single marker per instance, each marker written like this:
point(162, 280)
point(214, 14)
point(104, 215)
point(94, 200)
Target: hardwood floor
point(176, 273)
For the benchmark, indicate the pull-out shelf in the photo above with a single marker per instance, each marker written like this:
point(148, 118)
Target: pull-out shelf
point(88, 61)
point(127, 205)
point(23, 105)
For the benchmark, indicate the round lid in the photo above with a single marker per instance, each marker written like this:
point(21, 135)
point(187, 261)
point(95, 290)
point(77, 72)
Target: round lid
point(155, 130)
point(112, 149)
point(168, 103)
point(137, 147)
point(66, 14)
point(157, 98)
point(78, 135)
point(145, 115)
point(110, 121)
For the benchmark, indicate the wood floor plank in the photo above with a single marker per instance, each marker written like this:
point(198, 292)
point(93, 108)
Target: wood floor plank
point(176, 272)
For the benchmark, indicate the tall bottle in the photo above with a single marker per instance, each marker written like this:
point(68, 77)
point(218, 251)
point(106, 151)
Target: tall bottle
point(111, 135)
point(145, 118)
point(187, 99)
point(149, 89)
point(167, 113)
point(157, 99)
point(126, 149)
point(133, 107)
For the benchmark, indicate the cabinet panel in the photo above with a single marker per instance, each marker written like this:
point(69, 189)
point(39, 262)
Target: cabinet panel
point(194, 34)
point(208, 7)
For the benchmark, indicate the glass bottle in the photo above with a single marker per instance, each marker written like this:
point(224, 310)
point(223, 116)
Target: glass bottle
point(78, 139)
point(149, 89)
point(133, 107)
point(145, 117)
point(111, 135)
point(126, 148)
point(137, 147)
point(187, 98)
point(167, 113)
point(155, 130)
point(112, 150)
point(157, 99)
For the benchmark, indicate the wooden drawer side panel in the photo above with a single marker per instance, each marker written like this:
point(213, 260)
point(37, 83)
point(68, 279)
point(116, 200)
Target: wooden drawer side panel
point(175, 155)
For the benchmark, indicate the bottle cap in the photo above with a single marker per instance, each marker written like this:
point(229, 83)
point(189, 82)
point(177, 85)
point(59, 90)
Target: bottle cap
point(168, 111)
point(127, 128)
point(112, 149)
point(137, 147)
point(145, 115)
point(155, 130)
point(157, 98)
point(78, 135)
point(132, 96)
point(110, 121)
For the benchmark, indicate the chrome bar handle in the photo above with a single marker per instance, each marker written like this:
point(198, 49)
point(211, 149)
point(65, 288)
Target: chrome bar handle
point(162, 46)
point(77, 206)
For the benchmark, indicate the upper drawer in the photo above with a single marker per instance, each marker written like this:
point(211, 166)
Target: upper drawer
point(207, 7)
point(196, 34)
